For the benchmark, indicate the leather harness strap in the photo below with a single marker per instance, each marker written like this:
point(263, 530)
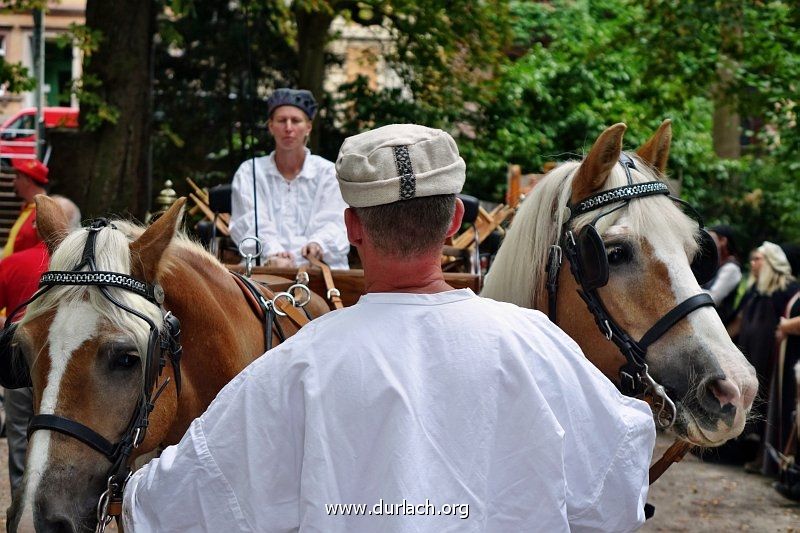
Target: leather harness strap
point(333, 293)
point(674, 454)
point(300, 319)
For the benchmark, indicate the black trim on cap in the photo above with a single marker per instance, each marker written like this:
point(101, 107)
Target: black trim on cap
point(408, 181)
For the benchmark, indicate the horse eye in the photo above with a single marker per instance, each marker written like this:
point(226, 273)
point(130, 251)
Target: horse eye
point(124, 360)
point(618, 254)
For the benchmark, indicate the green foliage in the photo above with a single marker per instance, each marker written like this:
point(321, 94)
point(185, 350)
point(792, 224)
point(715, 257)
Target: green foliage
point(516, 81)
point(578, 66)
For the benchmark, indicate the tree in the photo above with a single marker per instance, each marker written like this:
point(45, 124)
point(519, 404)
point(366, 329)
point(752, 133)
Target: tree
point(104, 167)
point(218, 61)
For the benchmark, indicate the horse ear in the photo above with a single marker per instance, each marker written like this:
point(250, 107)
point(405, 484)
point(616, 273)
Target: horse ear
point(595, 169)
point(51, 222)
point(656, 150)
point(146, 251)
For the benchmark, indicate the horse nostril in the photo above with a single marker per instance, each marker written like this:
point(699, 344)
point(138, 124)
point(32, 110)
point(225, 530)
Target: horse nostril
point(725, 391)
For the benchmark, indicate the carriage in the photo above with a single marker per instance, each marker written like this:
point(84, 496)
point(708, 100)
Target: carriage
point(119, 349)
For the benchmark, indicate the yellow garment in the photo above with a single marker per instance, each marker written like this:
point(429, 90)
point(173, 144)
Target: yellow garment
point(12, 236)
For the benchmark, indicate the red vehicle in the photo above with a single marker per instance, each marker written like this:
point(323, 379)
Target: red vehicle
point(18, 133)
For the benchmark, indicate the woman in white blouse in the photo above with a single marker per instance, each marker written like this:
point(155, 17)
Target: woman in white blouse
point(290, 200)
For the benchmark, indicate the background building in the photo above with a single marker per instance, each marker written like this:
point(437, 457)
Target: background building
point(62, 64)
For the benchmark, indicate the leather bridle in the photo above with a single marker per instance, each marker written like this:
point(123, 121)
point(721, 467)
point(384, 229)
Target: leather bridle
point(163, 343)
point(634, 377)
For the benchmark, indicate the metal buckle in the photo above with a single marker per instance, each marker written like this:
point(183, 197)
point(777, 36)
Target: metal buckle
point(248, 257)
point(103, 518)
point(136, 434)
point(333, 292)
point(608, 333)
point(282, 295)
point(258, 250)
point(663, 407)
point(302, 278)
point(302, 287)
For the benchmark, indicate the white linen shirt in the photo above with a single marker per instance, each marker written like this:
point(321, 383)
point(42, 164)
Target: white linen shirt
point(408, 403)
point(725, 281)
point(292, 213)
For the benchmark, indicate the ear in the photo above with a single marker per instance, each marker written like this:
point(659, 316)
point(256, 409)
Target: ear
point(458, 217)
point(355, 231)
point(595, 169)
point(656, 150)
point(146, 251)
point(51, 222)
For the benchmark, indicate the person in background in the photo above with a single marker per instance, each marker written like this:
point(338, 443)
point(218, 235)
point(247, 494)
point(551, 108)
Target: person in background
point(770, 287)
point(723, 285)
point(418, 396)
point(783, 390)
point(30, 179)
point(19, 280)
point(297, 203)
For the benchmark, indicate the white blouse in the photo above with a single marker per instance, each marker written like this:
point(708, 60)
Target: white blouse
point(292, 213)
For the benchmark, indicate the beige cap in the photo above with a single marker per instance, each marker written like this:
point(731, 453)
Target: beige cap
point(398, 162)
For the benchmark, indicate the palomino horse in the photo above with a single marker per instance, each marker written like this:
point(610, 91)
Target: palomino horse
point(103, 391)
point(626, 291)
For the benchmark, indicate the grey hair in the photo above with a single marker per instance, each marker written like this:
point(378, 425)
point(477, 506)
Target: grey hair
point(70, 209)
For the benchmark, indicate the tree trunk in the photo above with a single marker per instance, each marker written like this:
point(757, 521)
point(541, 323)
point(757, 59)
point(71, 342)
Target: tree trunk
point(312, 37)
point(106, 170)
point(726, 129)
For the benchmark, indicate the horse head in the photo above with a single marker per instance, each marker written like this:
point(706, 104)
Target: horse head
point(86, 350)
point(627, 290)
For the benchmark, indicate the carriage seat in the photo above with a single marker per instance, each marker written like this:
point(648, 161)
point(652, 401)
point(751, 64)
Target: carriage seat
point(219, 198)
point(471, 208)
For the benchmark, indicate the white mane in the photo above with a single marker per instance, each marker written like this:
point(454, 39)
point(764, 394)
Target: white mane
point(112, 254)
point(518, 274)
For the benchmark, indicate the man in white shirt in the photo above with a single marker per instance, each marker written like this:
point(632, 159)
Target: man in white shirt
point(421, 408)
point(297, 201)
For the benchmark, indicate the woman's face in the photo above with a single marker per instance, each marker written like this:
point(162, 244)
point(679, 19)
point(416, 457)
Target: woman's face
point(756, 262)
point(290, 127)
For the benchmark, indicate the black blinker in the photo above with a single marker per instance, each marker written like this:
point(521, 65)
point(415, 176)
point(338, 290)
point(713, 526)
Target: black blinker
point(14, 373)
point(592, 258)
point(706, 260)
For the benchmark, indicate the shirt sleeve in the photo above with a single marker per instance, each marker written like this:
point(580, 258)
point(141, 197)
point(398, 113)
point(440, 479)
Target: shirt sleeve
point(623, 490)
point(326, 225)
point(727, 279)
point(242, 222)
point(237, 467)
point(182, 490)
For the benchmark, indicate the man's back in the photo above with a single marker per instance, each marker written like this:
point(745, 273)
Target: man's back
point(437, 406)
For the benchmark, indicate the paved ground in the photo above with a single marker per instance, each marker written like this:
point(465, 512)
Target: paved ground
point(691, 496)
point(698, 497)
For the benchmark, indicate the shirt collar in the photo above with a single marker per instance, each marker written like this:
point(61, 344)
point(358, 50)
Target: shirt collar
point(410, 298)
point(306, 172)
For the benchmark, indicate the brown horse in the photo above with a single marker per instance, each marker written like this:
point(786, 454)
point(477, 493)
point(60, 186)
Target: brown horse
point(90, 352)
point(626, 290)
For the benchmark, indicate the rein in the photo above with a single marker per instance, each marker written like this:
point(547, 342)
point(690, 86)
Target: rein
point(266, 304)
point(332, 293)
